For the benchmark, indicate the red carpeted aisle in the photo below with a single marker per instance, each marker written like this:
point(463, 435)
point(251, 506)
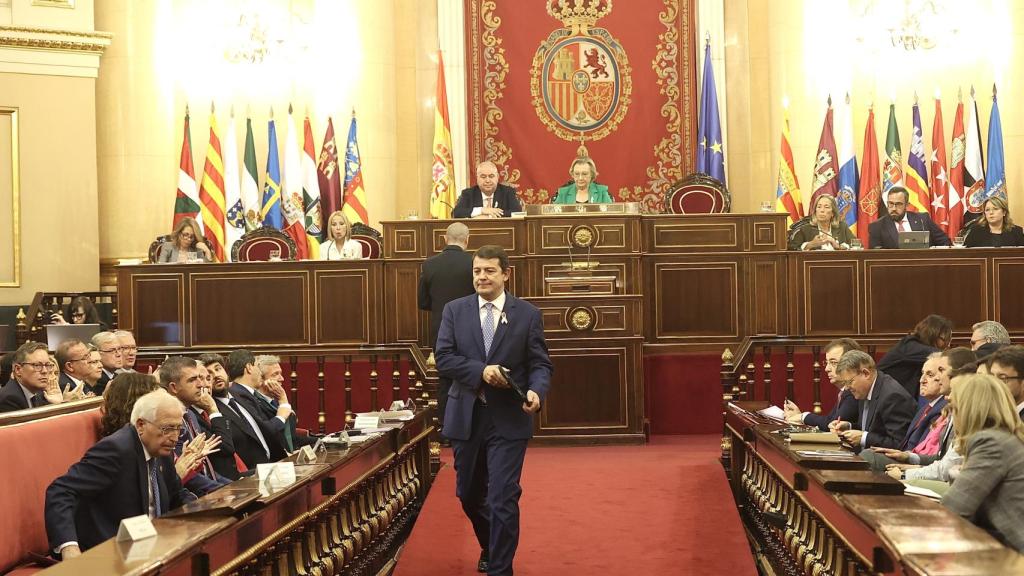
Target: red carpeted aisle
point(663, 508)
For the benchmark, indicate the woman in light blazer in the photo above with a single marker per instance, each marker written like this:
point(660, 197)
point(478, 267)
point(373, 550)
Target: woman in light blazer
point(990, 488)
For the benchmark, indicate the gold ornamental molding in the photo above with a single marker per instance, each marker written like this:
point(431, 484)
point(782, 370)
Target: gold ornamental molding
point(580, 318)
point(54, 40)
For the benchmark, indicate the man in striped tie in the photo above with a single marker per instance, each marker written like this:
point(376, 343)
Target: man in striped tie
point(482, 338)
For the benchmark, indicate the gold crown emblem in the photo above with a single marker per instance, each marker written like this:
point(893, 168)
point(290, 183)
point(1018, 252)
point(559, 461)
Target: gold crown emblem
point(579, 14)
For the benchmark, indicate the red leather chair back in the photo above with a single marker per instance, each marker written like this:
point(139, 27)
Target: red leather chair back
point(34, 454)
point(371, 246)
point(698, 194)
point(255, 246)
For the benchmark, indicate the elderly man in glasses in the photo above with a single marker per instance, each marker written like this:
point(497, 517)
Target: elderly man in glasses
point(110, 355)
point(30, 385)
point(129, 349)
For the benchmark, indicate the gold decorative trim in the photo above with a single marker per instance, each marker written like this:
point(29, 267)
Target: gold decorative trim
point(15, 282)
point(674, 148)
point(57, 31)
point(52, 39)
point(584, 236)
point(580, 318)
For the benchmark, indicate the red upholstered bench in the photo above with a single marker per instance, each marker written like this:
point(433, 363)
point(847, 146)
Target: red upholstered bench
point(35, 452)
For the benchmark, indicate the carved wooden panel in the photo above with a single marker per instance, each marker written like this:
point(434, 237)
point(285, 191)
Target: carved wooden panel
point(901, 293)
point(831, 296)
point(767, 298)
point(607, 317)
point(506, 236)
point(157, 309)
point(696, 300)
point(343, 307)
point(766, 235)
point(1009, 306)
point(405, 321)
point(685, 235)
point(239, 308)
point(404, 239)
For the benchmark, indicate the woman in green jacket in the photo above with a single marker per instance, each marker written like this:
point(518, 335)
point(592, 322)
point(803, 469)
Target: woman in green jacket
point(583, 189)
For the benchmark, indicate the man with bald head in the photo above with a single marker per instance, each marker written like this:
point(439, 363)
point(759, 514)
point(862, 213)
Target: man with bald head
point(445, 277)
point(129, 473)
point(488, 199)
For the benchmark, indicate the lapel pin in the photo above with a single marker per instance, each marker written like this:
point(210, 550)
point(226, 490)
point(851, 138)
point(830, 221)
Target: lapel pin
point(504, 319)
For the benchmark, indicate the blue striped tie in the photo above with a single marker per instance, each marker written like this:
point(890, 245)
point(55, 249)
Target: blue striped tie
point(154, 485)
point(488, 327)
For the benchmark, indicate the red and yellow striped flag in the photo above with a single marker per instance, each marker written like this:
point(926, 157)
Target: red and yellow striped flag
point(787, 196)
point(442, 196)
point(211, 194)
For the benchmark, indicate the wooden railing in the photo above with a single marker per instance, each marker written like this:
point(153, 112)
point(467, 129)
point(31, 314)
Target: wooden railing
point(31, 326)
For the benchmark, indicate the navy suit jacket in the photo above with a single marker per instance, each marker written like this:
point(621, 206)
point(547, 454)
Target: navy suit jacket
point(504, 198)
point(890, 413)
point(845, 410)
point(919, 428)
point(224, 459)
point(272, 427)
point(882, 232)
point(243, 438)
point(110, 483)
point(518, 345)
point(12, 398)
point(443, 278)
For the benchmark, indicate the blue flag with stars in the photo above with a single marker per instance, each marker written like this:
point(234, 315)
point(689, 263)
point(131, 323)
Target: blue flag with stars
point(710, 154)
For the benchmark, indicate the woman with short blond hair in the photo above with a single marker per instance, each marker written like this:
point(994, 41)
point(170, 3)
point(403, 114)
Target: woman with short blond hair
point(990, 488)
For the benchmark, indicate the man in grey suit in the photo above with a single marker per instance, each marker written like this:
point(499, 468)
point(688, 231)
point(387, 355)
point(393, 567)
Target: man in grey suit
point(884, 406)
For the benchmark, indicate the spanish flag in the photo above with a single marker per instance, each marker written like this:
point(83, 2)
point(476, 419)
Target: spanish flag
point(787, 195)
point(442, 196)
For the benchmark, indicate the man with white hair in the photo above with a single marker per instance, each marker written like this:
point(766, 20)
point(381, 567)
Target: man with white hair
point(270, 396)
point(129, 350)
point(126, 474)
point(987, 337)
point(110, 355)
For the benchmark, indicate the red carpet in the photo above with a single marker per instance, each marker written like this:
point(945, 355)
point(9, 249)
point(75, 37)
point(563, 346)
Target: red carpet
point(663, 508)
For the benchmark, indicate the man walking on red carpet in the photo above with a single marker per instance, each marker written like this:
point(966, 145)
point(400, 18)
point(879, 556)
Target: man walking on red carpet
point(487, 421)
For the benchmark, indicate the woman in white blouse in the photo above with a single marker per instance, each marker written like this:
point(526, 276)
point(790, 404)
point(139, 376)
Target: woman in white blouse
point(339, 244)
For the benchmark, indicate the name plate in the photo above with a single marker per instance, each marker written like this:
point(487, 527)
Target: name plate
point(368, 420)
point(569, 209)
point(275, 476)
point(136, 528)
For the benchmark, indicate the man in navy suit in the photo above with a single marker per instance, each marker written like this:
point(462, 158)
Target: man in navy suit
point(487, 199)
point(270, 427)
point(884, 409)
point(883, 233)
point(846, 405)
point(251, 448)
point(488, 423)
point(29, 385)
point(126, 474)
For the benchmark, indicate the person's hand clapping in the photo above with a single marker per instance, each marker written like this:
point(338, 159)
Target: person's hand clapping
point(52, 392)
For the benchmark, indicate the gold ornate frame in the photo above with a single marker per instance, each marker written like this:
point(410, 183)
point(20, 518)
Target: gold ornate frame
point(15, 232)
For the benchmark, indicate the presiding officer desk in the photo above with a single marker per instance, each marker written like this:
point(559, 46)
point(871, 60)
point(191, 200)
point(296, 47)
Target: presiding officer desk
point(613, 285)
point(822, 514)
point(346, 514)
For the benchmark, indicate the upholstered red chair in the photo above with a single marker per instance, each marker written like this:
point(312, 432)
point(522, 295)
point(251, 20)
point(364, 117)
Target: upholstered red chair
point(369, 238)
point(255, 246)
point(156, 247)
point(698, 194)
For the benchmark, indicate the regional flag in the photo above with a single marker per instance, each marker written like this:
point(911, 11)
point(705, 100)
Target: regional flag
point(211, 193)
point(826, 164)
point(270, 210)
point(355, 195)
point(995, 174)
point(848, 181)
point(974, 166)
point(710, 154)
point(328, 175)
point(442, 195)
point(892, 166)
point(870, 186)
point(186, 201)
point(958, 149)
point(787, 195)
point(234, 222)
point(917, 175)
point(311, 189)
point(939, 183)
point(250, 183)
point(291, 196)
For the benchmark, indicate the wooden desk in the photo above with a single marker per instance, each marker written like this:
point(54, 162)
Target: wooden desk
point(803, 527)
point(346, 514)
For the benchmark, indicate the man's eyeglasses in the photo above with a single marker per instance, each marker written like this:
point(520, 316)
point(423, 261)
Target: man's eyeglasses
point(124, 349)
point(39, 366)
point(111, 351)
point(171, 430)
point(1006, 378)
point(844, 383)
point(895, 204)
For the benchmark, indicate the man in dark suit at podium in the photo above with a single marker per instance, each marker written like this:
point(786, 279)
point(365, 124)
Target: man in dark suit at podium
point(487, 199)
point(488, 423)
point(884, 232)
point(126, 474)
point(445, 277)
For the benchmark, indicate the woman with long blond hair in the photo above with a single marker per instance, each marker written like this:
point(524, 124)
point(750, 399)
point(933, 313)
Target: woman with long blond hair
point(990, 488)
point(339, 244)
point(995, 228)
point(186, 239)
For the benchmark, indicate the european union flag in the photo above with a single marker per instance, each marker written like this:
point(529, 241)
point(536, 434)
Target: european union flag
point(710, 154)
point(270, 210)
point(995, 174)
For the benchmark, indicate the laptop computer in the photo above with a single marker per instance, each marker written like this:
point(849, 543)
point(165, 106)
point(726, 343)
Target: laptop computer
point(913, 240)
point(57, 333)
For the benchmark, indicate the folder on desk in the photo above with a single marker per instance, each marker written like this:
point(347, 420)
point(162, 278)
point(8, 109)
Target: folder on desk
point(814, 437)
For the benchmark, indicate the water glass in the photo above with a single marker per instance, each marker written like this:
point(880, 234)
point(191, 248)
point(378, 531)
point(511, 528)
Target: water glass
point(275, 255)
point(958, 241)
point(766, 206)
point(856, 244)
point(192, 257)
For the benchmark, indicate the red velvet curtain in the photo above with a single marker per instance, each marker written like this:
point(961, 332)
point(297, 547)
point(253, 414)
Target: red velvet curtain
point(627, 80)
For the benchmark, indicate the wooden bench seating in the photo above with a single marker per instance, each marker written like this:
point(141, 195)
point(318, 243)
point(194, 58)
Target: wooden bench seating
point(46, 447)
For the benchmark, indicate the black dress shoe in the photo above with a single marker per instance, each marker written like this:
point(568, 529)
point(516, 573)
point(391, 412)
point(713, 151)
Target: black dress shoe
point(481, 565)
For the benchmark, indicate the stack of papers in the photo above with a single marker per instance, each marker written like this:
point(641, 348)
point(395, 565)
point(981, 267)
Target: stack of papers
point(918, 491)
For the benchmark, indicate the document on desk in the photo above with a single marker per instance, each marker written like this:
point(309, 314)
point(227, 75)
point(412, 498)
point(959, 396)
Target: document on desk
point(919, 491)
point(827, 453)
point(814, 437)
point(773, 412)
